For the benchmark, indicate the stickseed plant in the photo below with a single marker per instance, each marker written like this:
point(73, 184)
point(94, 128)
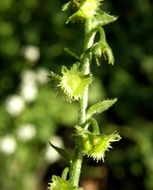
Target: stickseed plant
point(73, 84)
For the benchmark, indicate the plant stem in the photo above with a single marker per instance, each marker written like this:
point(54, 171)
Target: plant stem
point(86, 69)
point(75, 167)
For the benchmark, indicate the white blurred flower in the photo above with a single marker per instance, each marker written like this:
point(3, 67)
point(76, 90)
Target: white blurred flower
point(26, 131)
point(29, 92)
point(28, 77)
point(8, 144)
point(31, 53)
point(42, 75)
point(51, 154)
point(15, 105)
point(28, 87)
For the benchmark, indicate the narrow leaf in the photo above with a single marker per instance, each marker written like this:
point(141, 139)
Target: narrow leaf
point(100, 107)
point(62, 152)
point(71, 53)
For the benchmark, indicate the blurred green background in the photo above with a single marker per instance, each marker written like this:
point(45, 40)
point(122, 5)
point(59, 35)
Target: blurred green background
point(33, 35)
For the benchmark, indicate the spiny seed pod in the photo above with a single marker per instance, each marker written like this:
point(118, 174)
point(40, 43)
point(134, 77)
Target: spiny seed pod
point(101, 144)
point(94, 145)
point(59, 183)
point(73, 83)
point(85, 9)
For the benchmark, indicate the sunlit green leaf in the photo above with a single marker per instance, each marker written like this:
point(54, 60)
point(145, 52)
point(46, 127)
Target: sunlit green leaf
point(102, 18)
point(100, 107)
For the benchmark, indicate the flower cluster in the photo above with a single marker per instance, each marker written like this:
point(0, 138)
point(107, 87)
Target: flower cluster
point(73, 84)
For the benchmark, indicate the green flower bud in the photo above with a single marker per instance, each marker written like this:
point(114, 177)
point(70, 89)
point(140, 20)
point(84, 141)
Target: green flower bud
point(103, 49)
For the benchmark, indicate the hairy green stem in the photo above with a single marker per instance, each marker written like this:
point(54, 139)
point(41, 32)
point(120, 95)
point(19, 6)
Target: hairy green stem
point(75, 167)
point(88, 42)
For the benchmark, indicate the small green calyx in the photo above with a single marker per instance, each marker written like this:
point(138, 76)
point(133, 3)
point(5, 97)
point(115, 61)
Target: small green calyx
point(95, 145)
point(101, 48)
point(60, 183)
point(72, 83)
point(101, 144)
point(85, 9)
